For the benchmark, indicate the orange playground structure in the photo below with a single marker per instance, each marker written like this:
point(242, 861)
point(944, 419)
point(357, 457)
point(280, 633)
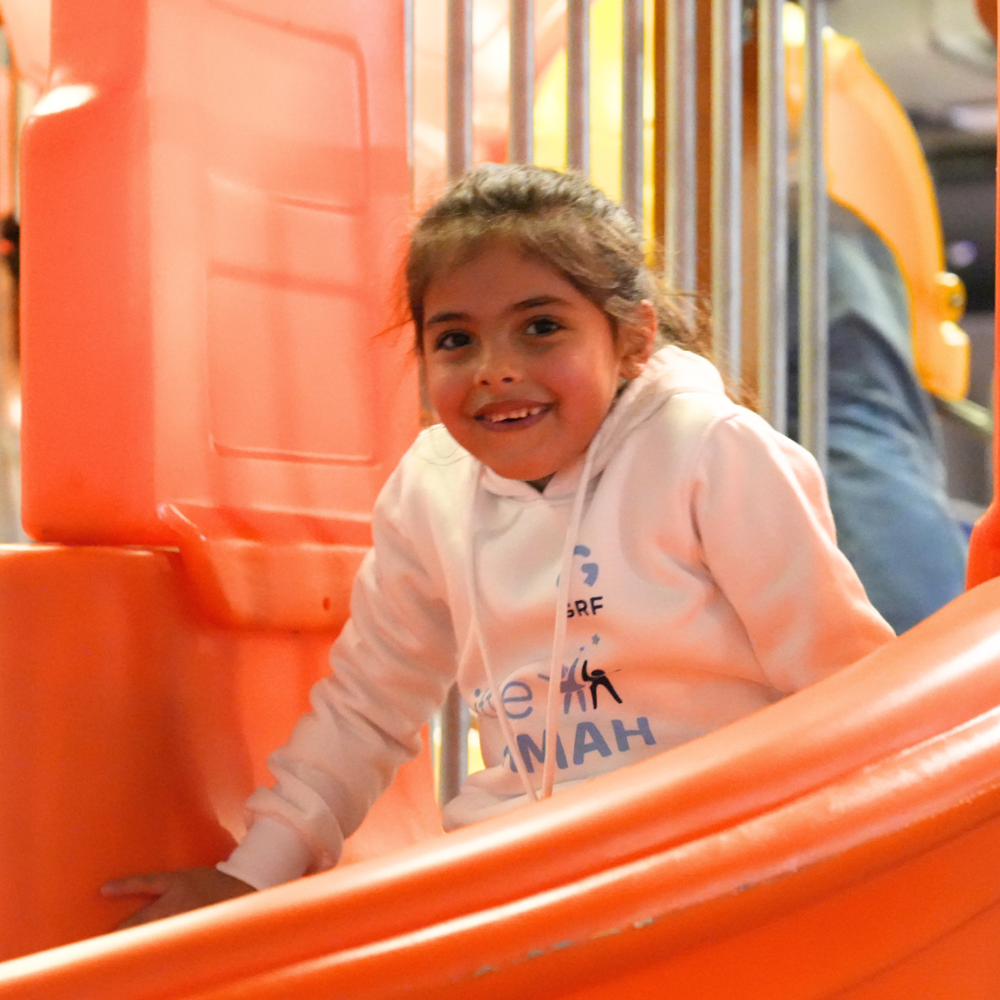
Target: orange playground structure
point(215, 194)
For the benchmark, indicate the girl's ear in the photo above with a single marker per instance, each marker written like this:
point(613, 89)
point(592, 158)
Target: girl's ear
point(638, 340)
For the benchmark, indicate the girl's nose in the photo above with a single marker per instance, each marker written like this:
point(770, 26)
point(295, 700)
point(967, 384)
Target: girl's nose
point(499, 366)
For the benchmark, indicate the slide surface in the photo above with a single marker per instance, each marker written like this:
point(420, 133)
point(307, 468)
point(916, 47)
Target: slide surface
point(840, 842)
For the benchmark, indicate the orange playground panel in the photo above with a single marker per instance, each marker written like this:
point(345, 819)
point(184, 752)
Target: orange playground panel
point(214, 196)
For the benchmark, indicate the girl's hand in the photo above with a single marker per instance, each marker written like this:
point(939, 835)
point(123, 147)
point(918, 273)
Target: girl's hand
point(175, 892)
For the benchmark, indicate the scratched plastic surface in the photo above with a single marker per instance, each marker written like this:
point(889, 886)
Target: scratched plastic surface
point(215, 195)
point(840, 843)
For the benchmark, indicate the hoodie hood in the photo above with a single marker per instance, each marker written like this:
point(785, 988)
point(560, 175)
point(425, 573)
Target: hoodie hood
point(670, 371)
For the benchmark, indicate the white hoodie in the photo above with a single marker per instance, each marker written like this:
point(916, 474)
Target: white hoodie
point(705, 583)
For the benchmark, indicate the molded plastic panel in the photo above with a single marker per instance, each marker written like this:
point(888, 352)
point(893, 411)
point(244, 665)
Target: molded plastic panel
point(215, 200)
point(132, 730)
point(843, 839)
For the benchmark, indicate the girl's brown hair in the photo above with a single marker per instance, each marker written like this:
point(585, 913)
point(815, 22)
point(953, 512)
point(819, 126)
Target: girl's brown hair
point(558, 218)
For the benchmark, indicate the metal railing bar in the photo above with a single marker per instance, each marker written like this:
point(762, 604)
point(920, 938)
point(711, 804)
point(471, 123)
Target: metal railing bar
point(578, 86)
point(813, 229)
point(453, 766)
point(521, 141)
point(971, 416)
point(633, 67)
point(681, 223)
point(772, 205)
point(454, 750)
point(408, 64)
point(459, 96)
point(726, 196)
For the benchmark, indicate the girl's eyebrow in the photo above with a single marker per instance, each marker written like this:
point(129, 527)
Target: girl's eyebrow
point(533, 303)
point(446, 317)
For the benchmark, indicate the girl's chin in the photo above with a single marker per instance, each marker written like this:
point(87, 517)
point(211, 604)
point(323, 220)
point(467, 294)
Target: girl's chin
point(529, 459)
point(525, 472)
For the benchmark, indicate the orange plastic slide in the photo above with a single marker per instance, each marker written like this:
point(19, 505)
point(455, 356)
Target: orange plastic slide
point(840, 843)
point(213, 196)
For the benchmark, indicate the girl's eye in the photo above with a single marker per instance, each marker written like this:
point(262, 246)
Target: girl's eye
point(542, 327)
point(452, 340)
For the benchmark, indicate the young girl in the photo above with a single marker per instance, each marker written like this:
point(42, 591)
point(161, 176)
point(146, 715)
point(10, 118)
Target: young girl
point(609, 555)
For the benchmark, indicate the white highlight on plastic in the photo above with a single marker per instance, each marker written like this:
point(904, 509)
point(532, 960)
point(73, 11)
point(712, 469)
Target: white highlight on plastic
point(71, 95)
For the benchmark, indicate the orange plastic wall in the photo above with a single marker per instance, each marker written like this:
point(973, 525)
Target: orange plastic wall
point(215, 196)
point(132, 730)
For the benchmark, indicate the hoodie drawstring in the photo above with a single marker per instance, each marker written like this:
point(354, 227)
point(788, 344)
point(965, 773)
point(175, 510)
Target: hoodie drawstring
point(551, 733)
point(475, 636)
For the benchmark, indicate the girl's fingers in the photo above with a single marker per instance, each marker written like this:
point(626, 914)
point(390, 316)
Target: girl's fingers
point(144, 916)
point(174, 892)
point(154, 884)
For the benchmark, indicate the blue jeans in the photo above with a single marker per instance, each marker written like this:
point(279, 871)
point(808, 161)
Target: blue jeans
point(885, 478)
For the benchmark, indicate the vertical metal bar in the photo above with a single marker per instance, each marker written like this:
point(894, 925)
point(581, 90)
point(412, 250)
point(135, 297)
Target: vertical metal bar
point(459, 98)
point(633, 42)
point(813, 244)
point(681, 226)
point(10, 379)
point(727, 152)
point(454, 745)
point(10, 397)
point(454, 763)
point(521, 144)
point(772, 224)
point(578, 86)
point(408, 35)
point(659, 206)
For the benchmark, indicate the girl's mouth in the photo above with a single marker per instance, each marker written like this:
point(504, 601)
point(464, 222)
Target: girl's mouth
point(513, 418)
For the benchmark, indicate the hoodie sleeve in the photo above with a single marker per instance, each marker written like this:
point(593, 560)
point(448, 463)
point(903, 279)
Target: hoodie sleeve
point(768, 539)
point(391, 668)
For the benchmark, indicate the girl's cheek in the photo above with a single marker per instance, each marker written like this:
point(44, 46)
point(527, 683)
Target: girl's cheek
point(443, 390)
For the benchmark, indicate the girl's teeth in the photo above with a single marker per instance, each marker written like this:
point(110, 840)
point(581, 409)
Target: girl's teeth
point(516, 415)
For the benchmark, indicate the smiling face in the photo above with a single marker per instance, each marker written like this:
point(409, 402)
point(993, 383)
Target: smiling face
point(520, 366)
